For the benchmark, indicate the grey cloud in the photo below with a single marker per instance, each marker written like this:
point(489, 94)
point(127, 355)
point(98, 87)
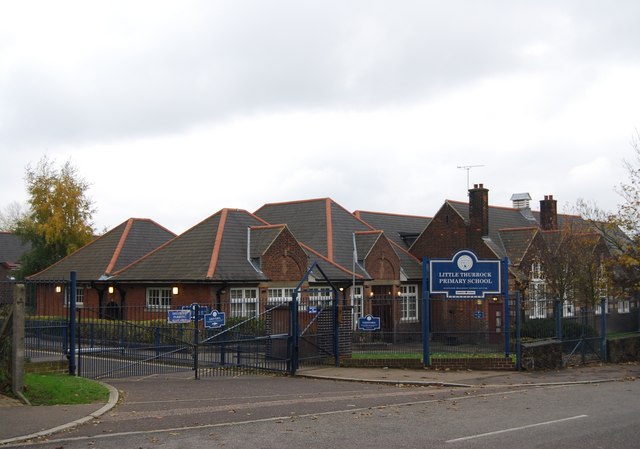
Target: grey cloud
point(251, 57)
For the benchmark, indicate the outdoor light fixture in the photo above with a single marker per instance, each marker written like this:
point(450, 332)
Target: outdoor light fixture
point(111, 289)
point(58, 289)
point(175, 290)
point(495, 299)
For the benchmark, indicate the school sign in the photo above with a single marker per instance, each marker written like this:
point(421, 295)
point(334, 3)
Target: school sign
point(465, 276)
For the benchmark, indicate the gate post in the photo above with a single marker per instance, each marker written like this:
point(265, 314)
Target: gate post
point(17, 344)
point(518, 329)
point(507, 314)
point(558, 314)
point(603, 330)
point(195, 339)
point(72, 323)
point(336, 328)
point(426, 354)
point(293, 334)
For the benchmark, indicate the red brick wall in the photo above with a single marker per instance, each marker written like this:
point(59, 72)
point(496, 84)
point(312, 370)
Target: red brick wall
point(445, 235)
point(284, 260)
point(382, 262)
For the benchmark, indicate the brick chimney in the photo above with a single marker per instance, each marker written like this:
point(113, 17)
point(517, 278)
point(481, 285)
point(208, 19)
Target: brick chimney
point(549, 213)
point(479, 211)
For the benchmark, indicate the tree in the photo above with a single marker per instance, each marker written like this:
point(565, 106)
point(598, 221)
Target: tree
point(59, 218)
point(621, 230)
point(11, 215)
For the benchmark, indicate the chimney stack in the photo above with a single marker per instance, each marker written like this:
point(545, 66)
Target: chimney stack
point(479, 210)
point(549, 213)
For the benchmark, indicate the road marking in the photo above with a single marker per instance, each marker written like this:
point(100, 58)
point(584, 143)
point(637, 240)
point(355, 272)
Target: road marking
point(514, 429)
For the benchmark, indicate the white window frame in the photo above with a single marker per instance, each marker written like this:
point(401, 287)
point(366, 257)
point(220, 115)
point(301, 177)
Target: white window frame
point(598, 308)
point(408, 303)
point(537, 294)
point(79, 296)
point(624, 306)
point(320, 295)
point(244, 302)
point(158, 298)
point(279, 295)
point(568, 309)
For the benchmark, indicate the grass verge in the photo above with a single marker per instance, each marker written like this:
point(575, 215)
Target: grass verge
point(60, 389)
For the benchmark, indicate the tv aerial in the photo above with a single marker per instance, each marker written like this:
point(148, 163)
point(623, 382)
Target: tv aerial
point(468, 168)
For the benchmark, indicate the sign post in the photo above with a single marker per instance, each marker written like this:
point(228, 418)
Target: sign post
point(464, 276)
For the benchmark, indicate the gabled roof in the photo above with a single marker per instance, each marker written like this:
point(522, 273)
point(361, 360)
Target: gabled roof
point(11, 248)
point(326, 229)
point(517, 242)
point(322, 226)
point(262, 237)
point(213, 250)
point(400, 229)
point(365, 240)
point(110, 252)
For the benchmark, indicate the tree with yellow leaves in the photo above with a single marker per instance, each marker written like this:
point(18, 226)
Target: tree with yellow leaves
point(59, 219)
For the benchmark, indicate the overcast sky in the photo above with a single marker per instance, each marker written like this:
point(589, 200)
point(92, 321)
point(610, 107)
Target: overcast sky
point(174, 110)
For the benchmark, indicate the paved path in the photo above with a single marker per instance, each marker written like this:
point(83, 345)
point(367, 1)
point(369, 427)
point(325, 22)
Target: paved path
point(19, 422)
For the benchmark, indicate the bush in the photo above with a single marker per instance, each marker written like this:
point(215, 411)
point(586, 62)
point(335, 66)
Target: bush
point(542, 328)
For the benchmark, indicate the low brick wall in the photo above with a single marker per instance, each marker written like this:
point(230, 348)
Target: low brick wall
point(381, 363)
point(471, 363)
point(542, 355)
point(464, 363)
point(624, 349)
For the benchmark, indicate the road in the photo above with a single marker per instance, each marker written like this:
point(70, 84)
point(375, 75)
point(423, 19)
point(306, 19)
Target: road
point(280, 412)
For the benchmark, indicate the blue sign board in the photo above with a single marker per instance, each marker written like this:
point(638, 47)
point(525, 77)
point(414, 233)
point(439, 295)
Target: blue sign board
point(464, 276)
point(478, 314)
point(369, 323)
point(312, 309)
point(202, 310)
point(214, 320)
point(179, 316)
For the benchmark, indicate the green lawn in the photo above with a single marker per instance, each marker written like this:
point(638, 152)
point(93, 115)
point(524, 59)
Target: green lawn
point(60, 389)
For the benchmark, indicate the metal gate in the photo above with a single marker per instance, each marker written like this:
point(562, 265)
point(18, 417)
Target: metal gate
point(130, 344)
point(583, 338)
point(99, 342)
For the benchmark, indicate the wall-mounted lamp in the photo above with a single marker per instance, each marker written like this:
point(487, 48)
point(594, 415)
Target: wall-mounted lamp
point(495, 299)
point(111, 289)
point(58, 289)
point(479, 302)
point(175, 290)
point(341, 289)
point(370, 294)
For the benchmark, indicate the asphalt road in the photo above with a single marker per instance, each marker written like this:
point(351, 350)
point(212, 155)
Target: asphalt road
point(283, 413)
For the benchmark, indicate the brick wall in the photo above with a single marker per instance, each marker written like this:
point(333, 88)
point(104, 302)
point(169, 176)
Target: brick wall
point(284, 260)
point(382, 262)
point(493, 363)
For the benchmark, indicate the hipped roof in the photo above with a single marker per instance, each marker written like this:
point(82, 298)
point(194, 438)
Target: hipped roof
point(114, 250)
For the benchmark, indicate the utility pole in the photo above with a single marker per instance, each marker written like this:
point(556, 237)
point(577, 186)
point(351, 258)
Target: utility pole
point(468, 168)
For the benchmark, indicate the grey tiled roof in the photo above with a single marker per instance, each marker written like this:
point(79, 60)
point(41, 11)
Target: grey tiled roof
point(516, 242)
point(262, 237)
point(322, 225)
point(364, 243)
point(11, 248)
point(395, 226)
point(106, 254)
point(213, 250)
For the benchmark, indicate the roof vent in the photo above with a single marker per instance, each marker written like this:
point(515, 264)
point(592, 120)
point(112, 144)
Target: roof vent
point(521, 200)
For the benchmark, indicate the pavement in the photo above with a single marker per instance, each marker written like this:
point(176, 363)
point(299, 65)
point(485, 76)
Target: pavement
point(19, 422)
